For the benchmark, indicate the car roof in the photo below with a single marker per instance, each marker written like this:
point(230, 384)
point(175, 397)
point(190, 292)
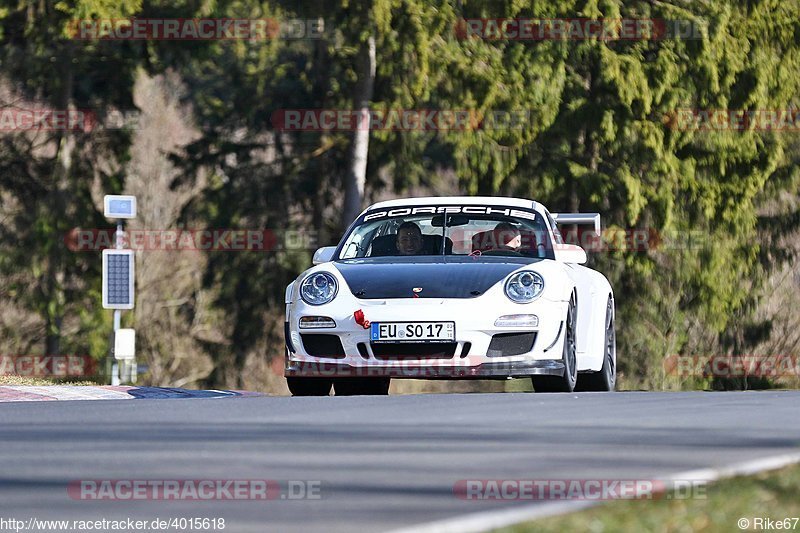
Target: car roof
point(459, 200)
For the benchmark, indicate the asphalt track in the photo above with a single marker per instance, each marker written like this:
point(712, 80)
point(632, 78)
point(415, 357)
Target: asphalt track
point(383, 462)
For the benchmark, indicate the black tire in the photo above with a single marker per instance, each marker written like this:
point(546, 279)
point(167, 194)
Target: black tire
point(606, 379)
point(300, 386)
point(361, 386)
point(565, 382)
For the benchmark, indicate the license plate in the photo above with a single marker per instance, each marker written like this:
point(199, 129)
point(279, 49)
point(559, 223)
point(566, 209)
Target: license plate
point(413, 332)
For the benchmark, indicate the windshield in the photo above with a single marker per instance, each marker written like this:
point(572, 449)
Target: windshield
point(470, 230)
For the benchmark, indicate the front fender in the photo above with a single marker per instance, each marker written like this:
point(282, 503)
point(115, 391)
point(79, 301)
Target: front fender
point(287, 299)
point(593, 291)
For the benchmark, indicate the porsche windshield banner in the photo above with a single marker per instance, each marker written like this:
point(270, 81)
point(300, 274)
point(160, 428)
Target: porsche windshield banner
point(450, 209)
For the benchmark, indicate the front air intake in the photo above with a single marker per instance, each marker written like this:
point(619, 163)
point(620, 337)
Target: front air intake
point(322, 345)
point(507, 344)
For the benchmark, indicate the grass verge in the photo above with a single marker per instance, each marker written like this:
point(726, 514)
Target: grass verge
point(769, 496)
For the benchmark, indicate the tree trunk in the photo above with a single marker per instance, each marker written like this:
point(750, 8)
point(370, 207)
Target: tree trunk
point(322, 166)
point(57, 203)
point(356, 173)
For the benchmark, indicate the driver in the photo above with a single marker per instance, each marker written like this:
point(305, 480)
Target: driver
point(409, 239)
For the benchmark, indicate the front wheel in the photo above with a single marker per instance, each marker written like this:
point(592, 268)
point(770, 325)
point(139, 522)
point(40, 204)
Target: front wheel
point(300, 386)
point(566, 382)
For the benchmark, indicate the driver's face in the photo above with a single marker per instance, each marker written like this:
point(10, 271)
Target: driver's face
point(409, 242)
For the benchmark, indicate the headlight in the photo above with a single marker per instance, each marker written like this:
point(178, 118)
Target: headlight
point(524, 287)
point(318, 288)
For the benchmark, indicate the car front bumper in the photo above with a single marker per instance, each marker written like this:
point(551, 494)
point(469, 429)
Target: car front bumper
point(472, 356)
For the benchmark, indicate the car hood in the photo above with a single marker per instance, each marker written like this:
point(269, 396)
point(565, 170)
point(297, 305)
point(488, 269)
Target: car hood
point(426, 277)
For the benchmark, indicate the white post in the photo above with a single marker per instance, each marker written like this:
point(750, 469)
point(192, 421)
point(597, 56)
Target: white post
point(118, 239)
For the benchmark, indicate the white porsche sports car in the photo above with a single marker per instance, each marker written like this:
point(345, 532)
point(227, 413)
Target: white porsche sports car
point(451, 287)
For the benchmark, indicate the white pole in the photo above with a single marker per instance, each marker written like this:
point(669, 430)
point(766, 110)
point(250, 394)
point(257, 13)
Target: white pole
point(117, 313)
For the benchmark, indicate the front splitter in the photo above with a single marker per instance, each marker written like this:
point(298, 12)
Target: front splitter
point(414, 370)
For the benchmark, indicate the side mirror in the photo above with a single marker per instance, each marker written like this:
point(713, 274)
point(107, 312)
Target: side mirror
point(324, 254)
point(570, 253)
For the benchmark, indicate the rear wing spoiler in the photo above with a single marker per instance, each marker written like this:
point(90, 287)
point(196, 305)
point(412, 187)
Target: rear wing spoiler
point(579, 218)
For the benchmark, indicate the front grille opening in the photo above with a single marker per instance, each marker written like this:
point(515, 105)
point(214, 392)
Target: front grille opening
point(320, 345)
point(414, 350)
point(506, 344)
point(362, 349)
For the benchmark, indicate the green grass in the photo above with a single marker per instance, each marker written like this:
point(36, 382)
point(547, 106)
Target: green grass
point(774, 495)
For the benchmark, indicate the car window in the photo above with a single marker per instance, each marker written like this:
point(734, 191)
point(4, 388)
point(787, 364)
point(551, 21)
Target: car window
point(379, 237)
point(448, 230)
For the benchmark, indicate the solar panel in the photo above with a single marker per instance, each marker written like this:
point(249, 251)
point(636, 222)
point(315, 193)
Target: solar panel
point(118, 279)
